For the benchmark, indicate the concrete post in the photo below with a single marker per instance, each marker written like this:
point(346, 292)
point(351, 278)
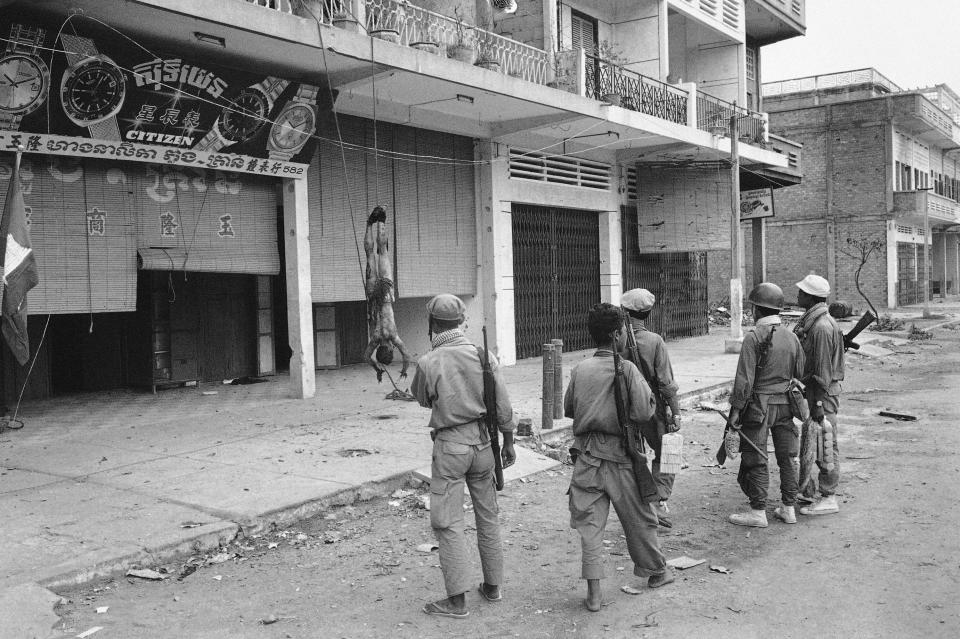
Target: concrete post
point(611, 269)
point(495, 251)
point(735, 341)
point(296, 234)
point(548, 373)
point(759, 250)
point(557, 378)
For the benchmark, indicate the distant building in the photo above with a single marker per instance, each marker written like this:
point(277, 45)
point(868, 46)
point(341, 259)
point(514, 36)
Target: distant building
point(880, 164)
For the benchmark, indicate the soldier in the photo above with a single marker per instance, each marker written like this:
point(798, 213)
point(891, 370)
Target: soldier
point(602, 471)
point(822, 342)
point(654, 363)
point(449, 381)
point(769, 358)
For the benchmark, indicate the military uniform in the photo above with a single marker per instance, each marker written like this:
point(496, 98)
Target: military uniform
point(760, 397)
point(822, 342)
point(602, 472)
point(449, 381)
point(653, 352)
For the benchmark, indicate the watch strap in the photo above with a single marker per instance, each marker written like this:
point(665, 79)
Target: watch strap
point(24, 40)
point(77, 48)
point(212, 141)
point(105, 130)
point(307, 93)
point(272, 87)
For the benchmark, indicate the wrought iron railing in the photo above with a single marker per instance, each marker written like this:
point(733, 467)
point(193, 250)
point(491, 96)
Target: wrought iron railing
point(416, 25)
point(613, 83)
point(713, 115)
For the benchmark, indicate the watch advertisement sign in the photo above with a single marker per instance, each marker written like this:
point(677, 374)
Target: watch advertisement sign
point(79, 89)
point(756, 204)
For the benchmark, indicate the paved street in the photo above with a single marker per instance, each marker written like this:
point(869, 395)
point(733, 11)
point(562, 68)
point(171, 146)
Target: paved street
point(887, 562)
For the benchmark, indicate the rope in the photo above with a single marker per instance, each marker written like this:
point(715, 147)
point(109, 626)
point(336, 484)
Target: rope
point(396, 393)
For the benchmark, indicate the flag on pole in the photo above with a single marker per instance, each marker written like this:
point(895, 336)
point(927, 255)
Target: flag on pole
point(19, 269)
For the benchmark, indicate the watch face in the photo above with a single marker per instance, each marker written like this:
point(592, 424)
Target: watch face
point(242, 119)
point(23, 83)
point(292, 128)
point(92, 91)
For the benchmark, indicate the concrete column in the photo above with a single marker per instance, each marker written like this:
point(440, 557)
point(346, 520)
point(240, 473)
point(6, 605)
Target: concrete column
point(495, 250)
point(611, 269)
point(691, 89)
point(759, 237)
point(891, 264)
point(663, 38)
point(296, 234)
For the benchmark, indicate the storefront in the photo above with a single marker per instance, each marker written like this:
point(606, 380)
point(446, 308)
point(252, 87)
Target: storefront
point(151, 184)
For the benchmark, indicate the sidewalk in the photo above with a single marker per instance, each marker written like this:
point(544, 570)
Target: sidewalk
point(97, 483)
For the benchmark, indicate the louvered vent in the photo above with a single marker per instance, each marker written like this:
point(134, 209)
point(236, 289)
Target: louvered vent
point(632, 183)
point(527, 165)
point(731, 13)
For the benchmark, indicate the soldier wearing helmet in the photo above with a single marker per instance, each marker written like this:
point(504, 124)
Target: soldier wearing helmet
point(769, 359)
point(449, 381)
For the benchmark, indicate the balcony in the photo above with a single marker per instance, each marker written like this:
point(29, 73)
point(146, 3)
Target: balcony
point(769, 21)
point(713, 115)
point(617, 85)
point(939, 209)
point(920, 117)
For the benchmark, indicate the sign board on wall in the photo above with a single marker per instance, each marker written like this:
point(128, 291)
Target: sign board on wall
point(84, 91)
point(756, 204)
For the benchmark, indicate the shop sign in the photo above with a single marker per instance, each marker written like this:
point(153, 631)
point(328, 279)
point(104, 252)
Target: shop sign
point(83, 91)
point(756, 204)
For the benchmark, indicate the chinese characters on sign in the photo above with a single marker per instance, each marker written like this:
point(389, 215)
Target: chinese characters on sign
point(96, 222)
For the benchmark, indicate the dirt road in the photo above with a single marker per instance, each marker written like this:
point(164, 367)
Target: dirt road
point(887, 566)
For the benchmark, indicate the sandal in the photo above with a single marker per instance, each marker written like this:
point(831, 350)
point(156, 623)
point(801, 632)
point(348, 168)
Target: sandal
point(483, 593)
point(434, 608)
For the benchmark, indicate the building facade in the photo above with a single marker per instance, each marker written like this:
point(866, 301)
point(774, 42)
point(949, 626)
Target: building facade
point(880, 192)
point(204, 217)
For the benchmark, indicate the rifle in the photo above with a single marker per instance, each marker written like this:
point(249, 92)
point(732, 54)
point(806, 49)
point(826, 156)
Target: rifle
point(864, 322)
point(650, 376)
point(631, 442)
point(490, 419)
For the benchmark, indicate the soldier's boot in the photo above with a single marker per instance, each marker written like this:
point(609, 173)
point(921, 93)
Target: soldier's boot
point(824, 506)
point(756, 518)
point(786, 514)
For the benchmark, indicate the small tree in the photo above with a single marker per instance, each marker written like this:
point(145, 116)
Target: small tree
point(862, 250)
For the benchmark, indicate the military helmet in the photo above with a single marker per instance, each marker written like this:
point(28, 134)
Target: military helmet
point(767, 295)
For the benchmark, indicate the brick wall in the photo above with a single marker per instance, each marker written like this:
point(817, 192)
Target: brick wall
point(844, 186)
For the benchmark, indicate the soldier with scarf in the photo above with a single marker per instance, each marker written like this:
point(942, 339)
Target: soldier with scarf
point(822, 342)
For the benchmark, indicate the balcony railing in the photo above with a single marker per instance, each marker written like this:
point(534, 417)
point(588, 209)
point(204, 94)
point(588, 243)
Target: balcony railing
point(830, 81)
point(284, 6)
point(714, 113)
point(413, 25)
point(630, 90)
point(940, 209)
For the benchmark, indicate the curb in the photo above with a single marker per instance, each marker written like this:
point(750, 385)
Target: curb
point(222, 533)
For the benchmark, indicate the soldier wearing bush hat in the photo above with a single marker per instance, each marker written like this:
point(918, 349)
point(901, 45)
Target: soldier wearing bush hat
point(822, 342)
point(449, 381)
point(651, 357)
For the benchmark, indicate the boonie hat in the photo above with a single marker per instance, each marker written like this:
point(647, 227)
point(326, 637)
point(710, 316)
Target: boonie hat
point(637, 299)
point(814, 285)
point(447, 307)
